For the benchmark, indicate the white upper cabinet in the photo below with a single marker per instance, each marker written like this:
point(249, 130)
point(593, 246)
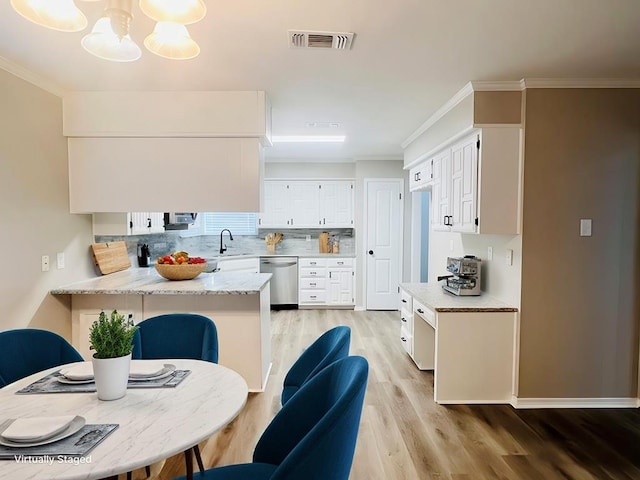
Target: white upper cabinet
point(134, 223)
point(421, 176)
point(336, 204)
point(476, 183)
point(307, 204)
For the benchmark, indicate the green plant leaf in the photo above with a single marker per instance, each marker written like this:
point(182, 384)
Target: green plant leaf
point(112, 336)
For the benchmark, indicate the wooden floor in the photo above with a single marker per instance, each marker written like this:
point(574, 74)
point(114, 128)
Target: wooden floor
point(405, 435)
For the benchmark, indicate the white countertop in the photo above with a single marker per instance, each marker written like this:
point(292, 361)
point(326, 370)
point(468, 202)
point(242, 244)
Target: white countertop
point(146, 281)
point(433, 296)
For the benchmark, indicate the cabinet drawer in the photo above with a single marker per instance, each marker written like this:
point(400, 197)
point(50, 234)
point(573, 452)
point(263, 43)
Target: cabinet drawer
point(406, 319)
point(425, 312)
point(312, 262)
point(311, 272)
point(407, 341)
point(339, 262)
point(406, 300)
point(312, 283)
point(312, 296)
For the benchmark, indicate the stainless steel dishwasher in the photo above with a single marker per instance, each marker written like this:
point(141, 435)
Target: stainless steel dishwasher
point(284, 282)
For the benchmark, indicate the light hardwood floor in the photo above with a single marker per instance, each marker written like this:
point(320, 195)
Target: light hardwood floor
point(404, 435)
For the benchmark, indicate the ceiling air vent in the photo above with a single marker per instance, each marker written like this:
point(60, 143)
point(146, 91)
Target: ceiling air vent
point(302, 39)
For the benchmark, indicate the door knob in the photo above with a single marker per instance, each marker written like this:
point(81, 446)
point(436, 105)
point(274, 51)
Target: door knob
point(370, 252)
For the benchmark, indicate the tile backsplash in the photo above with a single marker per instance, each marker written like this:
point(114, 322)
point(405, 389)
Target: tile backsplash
point(294, 242)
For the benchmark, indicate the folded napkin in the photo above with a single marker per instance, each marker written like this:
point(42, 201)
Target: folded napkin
point(79, 371)
point(145, 368)
point(36, 428)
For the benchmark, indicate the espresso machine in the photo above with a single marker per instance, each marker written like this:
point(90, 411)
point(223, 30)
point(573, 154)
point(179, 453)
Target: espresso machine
point(465, 278)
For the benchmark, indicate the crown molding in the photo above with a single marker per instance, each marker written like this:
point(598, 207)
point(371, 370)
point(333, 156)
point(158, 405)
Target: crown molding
point(376, 158)
point(31, 77)
point(463, 93)
point(502, 86)
point(581, 83)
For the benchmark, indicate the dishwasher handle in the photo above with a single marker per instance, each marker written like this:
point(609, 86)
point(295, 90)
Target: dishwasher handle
point(278, 264)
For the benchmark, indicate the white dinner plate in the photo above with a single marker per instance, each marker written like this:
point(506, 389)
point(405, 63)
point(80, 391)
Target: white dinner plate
point(146, 368)
point(68, 381)
point(165, 372)
point(78, 371)
point(76, 424)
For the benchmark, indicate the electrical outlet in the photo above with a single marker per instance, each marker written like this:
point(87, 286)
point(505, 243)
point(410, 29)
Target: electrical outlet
point(585, 227)
point(308, 238)
point(60, 260)
point(490, 253)
point(45, 263)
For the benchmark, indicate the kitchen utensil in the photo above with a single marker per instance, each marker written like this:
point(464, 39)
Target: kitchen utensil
point(111, 257)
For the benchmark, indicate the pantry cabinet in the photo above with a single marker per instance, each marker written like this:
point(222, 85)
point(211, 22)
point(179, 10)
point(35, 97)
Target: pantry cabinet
point(326, 281)
point(307, 204)
point(134, 223)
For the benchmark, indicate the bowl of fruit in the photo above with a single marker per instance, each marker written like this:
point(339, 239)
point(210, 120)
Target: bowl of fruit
point(180, 266)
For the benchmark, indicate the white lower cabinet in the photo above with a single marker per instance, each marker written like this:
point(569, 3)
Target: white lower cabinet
point(326, 281)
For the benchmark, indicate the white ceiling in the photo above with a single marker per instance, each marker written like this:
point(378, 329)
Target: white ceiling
point(408, 58)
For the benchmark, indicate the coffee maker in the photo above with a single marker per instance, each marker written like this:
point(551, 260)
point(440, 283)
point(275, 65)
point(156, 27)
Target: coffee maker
point(466, 275)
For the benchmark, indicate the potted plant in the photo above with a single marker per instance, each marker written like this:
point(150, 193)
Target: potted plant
point(112, 339)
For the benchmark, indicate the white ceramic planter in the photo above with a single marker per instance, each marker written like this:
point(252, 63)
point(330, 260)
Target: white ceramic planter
point(111, 376)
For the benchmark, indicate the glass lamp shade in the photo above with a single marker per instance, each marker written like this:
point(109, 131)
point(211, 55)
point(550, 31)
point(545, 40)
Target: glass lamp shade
point(179, 11)
point(172, 40)
point(62, 15)
point(104, 43)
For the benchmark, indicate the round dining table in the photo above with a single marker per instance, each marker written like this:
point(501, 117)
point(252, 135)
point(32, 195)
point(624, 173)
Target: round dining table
point(153, 423)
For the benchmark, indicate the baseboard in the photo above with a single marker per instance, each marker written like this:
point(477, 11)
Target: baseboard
point(266, 379)
point(472, 402)
point(575, 402)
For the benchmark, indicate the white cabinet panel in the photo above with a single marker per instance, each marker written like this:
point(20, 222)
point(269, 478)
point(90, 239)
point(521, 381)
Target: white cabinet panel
point(326, 281)
point(134, 223)
point(307, 204)
point(420, 177)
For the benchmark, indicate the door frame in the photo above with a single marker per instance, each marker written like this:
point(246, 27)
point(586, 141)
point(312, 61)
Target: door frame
point(365, 230)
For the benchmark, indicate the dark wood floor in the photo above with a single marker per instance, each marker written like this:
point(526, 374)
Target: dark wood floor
point(405, 435)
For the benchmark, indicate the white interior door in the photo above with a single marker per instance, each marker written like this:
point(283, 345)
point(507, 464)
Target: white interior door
point(383, 243)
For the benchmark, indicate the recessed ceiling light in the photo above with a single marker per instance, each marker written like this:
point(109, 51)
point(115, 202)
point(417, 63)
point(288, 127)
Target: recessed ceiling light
point(308, 138)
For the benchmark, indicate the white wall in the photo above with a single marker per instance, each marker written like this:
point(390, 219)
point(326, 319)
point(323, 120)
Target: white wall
point(301, 170)
point(34, 206)
point(498, 279)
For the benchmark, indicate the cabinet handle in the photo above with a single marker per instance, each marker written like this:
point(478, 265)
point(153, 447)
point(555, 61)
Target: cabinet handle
point(313, 273)
point(340, 263)
point(312, 284)
point(313, 263)
point(330, 274)
point(292, 221)
point(149, 222)
point(420, 310)
point(403, 319)
point(404, 301)
point(324, 221)
point(403, 339)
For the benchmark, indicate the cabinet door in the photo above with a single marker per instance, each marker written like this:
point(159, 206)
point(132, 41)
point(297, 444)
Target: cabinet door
point(157, 222)
point(340, 286)
point(420, 176)
point(336, 204)
point(276, 211)
point(440, 190)
point(304, 204)
point(139, 223)
point(464, 180)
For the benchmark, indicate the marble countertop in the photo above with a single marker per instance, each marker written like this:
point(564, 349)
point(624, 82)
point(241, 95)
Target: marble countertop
point(146, 281)
point(296, 253)
point(433, 296)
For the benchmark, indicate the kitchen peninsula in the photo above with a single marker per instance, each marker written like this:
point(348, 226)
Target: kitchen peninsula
point(238, 303)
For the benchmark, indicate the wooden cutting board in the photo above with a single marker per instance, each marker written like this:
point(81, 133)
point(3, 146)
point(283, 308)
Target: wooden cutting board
point(111, 257)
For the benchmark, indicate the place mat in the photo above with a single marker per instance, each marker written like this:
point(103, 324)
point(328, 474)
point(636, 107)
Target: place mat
point(76, 445)
point(50, 384)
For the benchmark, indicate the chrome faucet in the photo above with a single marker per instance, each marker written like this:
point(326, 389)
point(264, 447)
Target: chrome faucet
point(223, 248)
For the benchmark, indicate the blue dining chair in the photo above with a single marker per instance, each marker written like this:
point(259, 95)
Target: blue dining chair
point(178, 335)
point(329, 347)
point(26, 351)
point(313, 436)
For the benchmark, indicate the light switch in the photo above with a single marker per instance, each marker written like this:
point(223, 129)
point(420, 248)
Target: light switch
point(490, 253)
point(60, 260)
point(509, 257)
point(585, 227)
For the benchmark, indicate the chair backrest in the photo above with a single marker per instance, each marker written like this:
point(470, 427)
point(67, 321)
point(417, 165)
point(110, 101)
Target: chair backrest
point(26, 351)
point(314, 435)
point(329, 347)
point(176, 335)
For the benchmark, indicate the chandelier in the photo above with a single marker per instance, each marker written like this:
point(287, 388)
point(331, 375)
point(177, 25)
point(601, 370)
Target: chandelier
point(109, 39)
